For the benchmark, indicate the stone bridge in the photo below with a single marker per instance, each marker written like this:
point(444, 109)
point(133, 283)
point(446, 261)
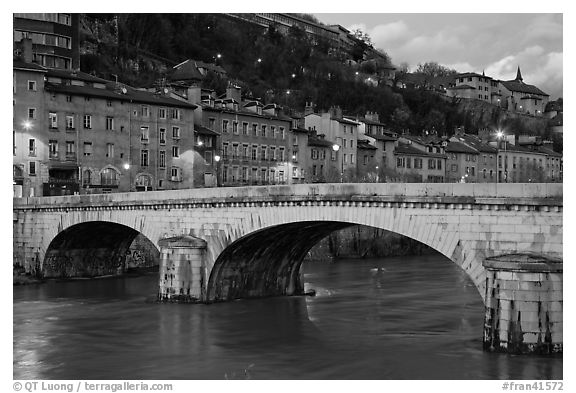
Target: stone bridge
point(226, 243)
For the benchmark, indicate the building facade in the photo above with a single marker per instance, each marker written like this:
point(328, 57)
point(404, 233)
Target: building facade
point(53, 38)
point(83, 134)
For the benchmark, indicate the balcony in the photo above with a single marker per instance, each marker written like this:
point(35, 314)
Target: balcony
point(70, 156)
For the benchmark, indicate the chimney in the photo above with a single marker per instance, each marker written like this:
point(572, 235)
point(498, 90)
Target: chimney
point(335, 112)
point(26, 48)
point(234, 92)
point(194, 94)
point(372, 116)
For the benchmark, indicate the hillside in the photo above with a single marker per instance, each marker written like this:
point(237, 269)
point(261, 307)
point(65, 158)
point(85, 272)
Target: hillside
point(142, 48)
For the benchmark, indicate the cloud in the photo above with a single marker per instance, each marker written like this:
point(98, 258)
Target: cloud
point(544, 70)
point(383, 35)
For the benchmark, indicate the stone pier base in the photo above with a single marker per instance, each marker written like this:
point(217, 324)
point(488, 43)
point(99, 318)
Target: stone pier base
point(182, 269)
point(523, 304)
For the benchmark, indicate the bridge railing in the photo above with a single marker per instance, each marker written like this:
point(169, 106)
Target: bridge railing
point(466, 192)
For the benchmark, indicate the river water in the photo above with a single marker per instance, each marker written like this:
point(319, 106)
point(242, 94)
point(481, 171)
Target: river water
point(419, 318)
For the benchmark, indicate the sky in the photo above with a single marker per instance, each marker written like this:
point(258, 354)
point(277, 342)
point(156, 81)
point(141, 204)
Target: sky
point(469, 42)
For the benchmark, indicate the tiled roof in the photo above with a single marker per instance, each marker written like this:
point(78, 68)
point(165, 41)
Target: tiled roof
point(384, 137)
point(554, 106)
point(459, 147)
point(186, 71)
point(462, 87)
point(131, 95)
point(205, 131)
point(467, 74)
point(371, 122)
point(22, 65)
point(77, 75)
point(345, 121)
point(403, 148)
point(315, 141)
point(521, 87)
point(364, 144)
point(476, 143)
point(300, 130)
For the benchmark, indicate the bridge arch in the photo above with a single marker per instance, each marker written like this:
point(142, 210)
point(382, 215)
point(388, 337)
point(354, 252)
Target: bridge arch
point(266, 261)
point(89, 249)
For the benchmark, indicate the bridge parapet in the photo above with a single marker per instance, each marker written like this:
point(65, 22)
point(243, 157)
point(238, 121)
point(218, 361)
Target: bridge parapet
point(546, 194)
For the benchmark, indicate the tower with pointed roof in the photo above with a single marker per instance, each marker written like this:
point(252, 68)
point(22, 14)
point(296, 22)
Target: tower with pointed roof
point(519, 75)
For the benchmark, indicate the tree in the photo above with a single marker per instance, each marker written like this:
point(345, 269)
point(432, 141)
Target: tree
point(435, 70)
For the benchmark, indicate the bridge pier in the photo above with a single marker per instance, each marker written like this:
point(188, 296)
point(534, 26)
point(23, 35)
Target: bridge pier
point(182, 269)
point(523, 304)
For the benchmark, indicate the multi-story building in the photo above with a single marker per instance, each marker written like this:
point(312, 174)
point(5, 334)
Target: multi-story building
point(418, 160)
point(53, 37)
point(207, 158)
point(473, 85)
point(513, 95)
point(323, 164)
point(255, 138)
point(381, 138)
point(79, 133)
point(28, 128)
point(529, 163)
point(524, 98)
point(461, 162)
point(342, 131)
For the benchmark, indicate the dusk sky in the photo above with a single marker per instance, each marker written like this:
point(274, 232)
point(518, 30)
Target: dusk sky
point(494, 43)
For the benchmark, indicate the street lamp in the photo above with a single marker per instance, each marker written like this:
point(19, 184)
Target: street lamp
point(336, 147)
point(217, 158)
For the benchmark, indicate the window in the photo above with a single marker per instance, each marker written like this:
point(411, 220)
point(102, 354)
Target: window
point(273, 132)
point(263, 131)
point(345, 159)
point(87, 121)
point(351, 143)
point(208, 157)
point(235, 127)
point(161, 113)
point(255, 129)
point(224, 125)
point(244, 173)
point(262, 153)
point(244, 128)
point(254, 152)
point(211, 123)
point(225, 149)
point(70, 150)
point(32, 147)
point(472, 171)
point(176, 114)
point(109, 123)
point(344, 142)
point(175, 151)
point(144, 157)
point(234, 150)
point(454, 168)
point(283, 133)
point(32, 168)
point(162, 158)
point(86, 177)
point(175, 174)
point(484, 173)
point(145, 111)
point(514, 162)
point(314, 154)
point(53, 148)
point(281, 153)
point(176, 132)
point(88, 149)
point(417, 163)
point(108, 177)
point(31, 113)
point(439, 164)
point(32, 85)
point(408, 162)
point(68, 98)
point(162, 136)
point(245, 151)
point(110, 150)
point(108, 103)
point(53, 120)
point(431, 163)
point(144, 134)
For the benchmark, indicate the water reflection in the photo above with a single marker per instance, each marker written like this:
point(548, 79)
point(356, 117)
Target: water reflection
point(420, 318)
